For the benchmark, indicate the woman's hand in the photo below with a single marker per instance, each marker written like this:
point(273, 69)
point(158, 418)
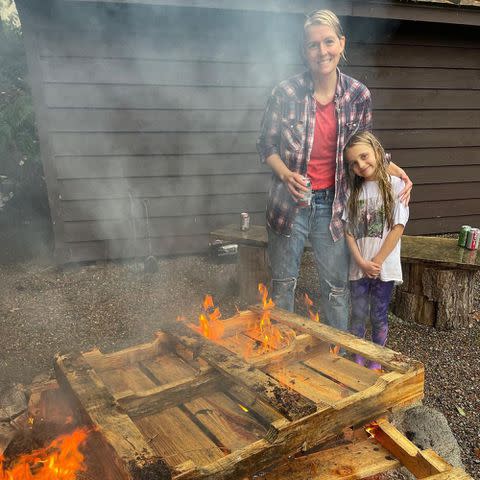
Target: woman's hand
point(405, 193)
point(295, 183)
point(396, 171)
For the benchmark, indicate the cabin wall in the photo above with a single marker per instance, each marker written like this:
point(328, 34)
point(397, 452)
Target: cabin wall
point(164, 103)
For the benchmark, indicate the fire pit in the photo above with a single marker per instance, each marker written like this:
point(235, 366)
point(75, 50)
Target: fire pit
point(225, 399)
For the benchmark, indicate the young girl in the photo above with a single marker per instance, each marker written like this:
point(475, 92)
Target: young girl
point(375, 218)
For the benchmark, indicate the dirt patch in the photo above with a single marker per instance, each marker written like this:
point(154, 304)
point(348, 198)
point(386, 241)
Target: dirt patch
point(45, 311)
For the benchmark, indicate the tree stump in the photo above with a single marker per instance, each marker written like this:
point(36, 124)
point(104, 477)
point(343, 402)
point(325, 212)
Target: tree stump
point(435, 296)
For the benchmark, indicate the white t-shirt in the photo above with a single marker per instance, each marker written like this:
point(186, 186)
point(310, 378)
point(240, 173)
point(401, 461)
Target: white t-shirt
point(372, 229)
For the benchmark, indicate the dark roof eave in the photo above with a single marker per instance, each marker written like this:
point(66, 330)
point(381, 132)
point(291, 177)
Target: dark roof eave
point(463, 12)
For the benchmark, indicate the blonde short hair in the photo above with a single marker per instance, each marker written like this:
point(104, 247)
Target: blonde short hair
point(323, 17)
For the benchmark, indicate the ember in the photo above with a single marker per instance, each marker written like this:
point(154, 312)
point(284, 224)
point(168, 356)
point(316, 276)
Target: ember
point(61, 460)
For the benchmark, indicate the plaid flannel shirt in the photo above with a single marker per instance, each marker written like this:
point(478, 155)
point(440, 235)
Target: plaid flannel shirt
point(287, 129)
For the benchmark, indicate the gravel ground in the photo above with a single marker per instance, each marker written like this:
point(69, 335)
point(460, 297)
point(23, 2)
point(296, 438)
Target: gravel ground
point(44, 310)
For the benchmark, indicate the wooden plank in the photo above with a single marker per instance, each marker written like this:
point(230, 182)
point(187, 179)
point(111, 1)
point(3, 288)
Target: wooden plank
point(138, 71)
point(347, 462)
point(84, 251)
point(168, 368)
point(105, 209)
point(110, 166)
point(253, 402)
point(388, 358)
point(230, 424)
point(408, 453)
point(127, 356)
point(118, 120)
point(443, 224)
point(310, 384)
point(163, 186)
point(435, 156)
point(302, 347)
point(418, 119)
point(214, 73)
point(414, 77)
point(345, 371)
point(127, 120)
point(161, 398)
point(449, 191)
point(188, 442)
point(285, 401)
point(234, 98)
point(447, 208)
point(153, 97)
point(443, 138)
point(125, 379)
point(111, 143)
point(445, 174)
point(122, 229)
point(97, 404)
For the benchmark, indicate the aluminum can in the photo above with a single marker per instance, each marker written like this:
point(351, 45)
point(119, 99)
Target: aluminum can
point(244, 221)
point(473, 239)
point(306, 200)
point(462, 235)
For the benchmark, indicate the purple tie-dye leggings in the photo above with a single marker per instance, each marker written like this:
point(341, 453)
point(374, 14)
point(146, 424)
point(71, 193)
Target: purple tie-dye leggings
point(370, 298)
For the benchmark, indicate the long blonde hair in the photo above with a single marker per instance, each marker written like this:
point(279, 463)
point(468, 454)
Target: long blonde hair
point(381, 174)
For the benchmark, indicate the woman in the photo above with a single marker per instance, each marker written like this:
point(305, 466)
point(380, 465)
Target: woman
point(308, 120)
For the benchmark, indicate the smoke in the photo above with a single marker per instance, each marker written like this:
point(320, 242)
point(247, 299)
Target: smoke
point(163, 103)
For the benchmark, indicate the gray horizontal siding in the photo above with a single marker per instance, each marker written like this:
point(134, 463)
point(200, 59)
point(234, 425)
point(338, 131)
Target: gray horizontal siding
point(165, 104)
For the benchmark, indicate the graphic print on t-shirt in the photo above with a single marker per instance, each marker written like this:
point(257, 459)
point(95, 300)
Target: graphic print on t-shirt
point(371, 219)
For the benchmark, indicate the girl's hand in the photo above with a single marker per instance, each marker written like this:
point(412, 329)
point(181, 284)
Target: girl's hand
point(405, 193)
point(295, 184)
point(371, 269)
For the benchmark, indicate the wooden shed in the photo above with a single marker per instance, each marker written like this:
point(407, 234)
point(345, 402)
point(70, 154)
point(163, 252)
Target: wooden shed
point(162, 100)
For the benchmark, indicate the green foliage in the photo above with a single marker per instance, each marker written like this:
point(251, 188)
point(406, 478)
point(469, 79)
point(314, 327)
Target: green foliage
point(19, 152)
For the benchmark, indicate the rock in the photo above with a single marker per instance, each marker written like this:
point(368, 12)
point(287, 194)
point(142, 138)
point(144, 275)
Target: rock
point(12, 402)
point(428, 428)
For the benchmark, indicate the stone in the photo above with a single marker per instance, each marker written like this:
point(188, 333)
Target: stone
point(427, 428)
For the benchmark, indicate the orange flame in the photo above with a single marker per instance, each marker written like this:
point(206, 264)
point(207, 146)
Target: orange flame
point(61, 460)
point(269, 336)
point(210, 325)
point(309, 303)
point(372, 429)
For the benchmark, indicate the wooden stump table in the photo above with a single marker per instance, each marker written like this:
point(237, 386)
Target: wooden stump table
point(438, 275)
point(438, 278)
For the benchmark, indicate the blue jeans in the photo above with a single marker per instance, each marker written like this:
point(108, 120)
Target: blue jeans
point(332, 259)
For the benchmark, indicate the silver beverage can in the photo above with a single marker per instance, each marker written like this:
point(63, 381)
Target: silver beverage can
point(244, 221)
point(473, 239)
point(462, 235)
point(306, 200)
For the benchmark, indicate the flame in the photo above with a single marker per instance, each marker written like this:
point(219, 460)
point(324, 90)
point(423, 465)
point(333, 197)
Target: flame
point(309, 303)
point(245, 409)
point(61, 460)
point(210, 325)
point(269, 336)
point(372, 429)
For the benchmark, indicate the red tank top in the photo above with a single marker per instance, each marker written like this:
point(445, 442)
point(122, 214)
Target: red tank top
point(321, 167)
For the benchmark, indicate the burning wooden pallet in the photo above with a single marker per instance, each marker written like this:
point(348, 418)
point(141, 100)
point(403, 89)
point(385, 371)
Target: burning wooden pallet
point(228, 408)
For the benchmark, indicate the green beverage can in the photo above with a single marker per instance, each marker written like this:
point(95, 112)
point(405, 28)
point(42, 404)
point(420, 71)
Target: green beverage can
point(463, 234)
